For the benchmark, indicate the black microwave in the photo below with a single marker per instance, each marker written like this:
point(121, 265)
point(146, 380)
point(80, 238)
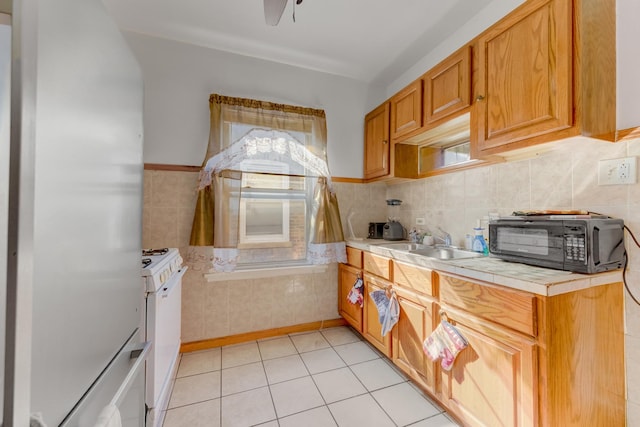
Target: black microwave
point(590, 245)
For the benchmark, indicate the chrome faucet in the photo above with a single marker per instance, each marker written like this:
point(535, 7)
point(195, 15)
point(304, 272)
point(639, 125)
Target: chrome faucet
point(446, 237)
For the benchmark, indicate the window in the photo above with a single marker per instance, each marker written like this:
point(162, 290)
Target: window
point(264, 204)
point(274, 202)
point(264, 193)
point(455, 154)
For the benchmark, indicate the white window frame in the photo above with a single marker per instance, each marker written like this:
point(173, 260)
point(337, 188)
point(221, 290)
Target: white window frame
point(265, 240)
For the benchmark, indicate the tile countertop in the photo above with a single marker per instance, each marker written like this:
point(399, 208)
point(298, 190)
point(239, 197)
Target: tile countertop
point(537, 280)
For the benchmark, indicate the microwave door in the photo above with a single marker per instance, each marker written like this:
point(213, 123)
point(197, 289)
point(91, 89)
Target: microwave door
point(541, 242)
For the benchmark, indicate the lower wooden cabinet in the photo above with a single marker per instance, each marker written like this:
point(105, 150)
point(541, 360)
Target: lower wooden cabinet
point(371, 327)
point(352, 313)
point(492, 382)
point(531, 360)
point(415, 324)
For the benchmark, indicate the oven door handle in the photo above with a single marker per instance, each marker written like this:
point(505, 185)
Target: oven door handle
point(169, 287)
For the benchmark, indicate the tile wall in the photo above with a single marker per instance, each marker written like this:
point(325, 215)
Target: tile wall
point(218, 309)
point(564, 177)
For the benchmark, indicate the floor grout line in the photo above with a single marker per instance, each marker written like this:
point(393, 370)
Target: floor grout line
point(335, 337)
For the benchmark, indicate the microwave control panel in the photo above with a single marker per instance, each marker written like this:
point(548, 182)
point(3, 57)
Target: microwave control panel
point(575, 244)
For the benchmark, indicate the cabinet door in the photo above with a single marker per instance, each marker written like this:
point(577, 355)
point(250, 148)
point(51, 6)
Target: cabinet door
point(352, 313)
point(376, 143)
point(447, 87)
point(371, 327)
point(406, 110)
point(415, 323)
point(493, 380)
point(525, 80)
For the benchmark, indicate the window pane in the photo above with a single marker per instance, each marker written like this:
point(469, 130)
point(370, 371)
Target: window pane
point(293, 249)
point(456, 154)
point(273, 200)
point(257, 180)
point(264, 218)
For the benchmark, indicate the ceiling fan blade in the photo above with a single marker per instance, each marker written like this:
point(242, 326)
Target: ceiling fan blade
point(273, 10)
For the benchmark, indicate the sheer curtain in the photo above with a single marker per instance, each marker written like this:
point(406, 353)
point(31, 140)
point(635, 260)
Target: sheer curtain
point(243, 130)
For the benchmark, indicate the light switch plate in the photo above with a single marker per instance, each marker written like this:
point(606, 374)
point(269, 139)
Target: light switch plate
point(419, 221)
point(617, 171)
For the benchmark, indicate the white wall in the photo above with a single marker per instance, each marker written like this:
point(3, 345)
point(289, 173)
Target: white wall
point(483, 20)
point(179, 78)
point(5, 80)
point(628, 63)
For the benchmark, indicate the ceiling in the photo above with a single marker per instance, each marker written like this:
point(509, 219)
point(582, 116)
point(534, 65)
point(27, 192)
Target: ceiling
point(368, 40)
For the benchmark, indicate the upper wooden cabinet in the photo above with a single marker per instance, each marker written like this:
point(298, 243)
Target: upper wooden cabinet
point(545, 72)
point(376, 143)
point(447, 87)
point(524, 84)
point(406, 110)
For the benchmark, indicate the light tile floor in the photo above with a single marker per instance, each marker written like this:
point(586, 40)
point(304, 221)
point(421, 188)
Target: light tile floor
point(316, 379)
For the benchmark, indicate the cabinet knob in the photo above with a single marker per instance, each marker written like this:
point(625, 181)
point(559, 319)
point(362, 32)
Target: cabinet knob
point(479, 98)
point(385, 142)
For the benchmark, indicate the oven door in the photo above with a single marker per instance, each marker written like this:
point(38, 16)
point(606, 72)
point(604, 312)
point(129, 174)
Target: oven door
point(163, 330)
point(534, 242)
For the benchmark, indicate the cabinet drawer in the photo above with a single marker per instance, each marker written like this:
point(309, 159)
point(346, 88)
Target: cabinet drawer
point(354, 257)
point(378, 265)
point(415, 278)
point(513, 309)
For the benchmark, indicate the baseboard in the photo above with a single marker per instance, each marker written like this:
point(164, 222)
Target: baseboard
point(252, 336)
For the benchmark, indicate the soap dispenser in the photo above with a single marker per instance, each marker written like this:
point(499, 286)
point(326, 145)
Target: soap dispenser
point(479, 244)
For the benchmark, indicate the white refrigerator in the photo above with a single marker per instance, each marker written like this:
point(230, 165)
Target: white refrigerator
point(72, 215)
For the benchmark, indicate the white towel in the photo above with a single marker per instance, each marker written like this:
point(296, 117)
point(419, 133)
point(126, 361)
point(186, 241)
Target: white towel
point(36, 420)
point(392, 315)
point(109, 417)
point(388, 309)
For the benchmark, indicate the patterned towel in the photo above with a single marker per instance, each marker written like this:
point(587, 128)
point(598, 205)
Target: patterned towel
point(355, 294)
point(445, 342)
point(388, 309)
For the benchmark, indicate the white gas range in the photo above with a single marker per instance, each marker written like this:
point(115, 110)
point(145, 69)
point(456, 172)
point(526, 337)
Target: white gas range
point(162, 272)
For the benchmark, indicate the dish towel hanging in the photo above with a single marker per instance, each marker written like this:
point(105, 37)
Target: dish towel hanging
point(109, 417)
point(388, 309)
point(355, 294)
point(36, 420)
point(445, 342)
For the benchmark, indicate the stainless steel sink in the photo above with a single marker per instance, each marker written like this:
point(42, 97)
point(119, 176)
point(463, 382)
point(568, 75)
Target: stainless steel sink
point(444, 253)
point(403, 246)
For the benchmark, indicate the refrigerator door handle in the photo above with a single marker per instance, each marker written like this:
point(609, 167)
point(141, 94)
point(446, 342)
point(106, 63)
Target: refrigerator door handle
point(141, 356)
point(113, 384)
point(175, 279)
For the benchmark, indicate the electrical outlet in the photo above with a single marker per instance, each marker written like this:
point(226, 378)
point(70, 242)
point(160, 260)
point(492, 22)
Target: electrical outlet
point(617, 171)
point(419, 221)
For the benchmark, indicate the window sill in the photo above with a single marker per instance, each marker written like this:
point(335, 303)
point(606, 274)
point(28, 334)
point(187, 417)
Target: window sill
point(261, 273)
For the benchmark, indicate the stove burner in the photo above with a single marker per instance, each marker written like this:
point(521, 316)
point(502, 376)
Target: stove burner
point(147, 252)
point(146, 262)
